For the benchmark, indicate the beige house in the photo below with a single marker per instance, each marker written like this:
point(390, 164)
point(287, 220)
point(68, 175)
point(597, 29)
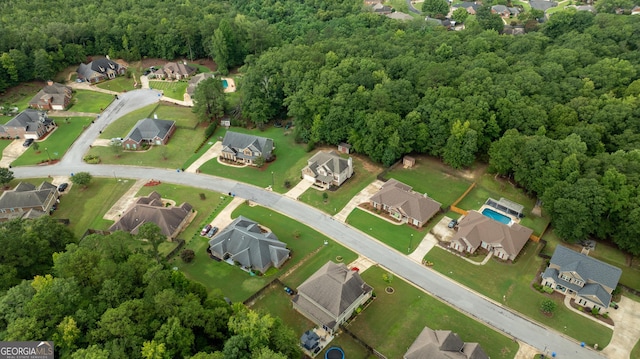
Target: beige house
point(589, 281)
point(403, 204)
point(193, 83)
point(174, 71)
point(325, 169)
point(331, 295)
point(171, 220)
point(476, 230)
point(27, 201)
point(443, 344)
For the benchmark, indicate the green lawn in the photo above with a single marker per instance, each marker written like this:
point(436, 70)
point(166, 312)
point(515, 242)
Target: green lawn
point(239, 285)
point(19, 98)
point(201, 68)
point(432, 177)
point(401, 237)
point(172, 89)
point(390, 323)
point(86, 207)
point(119, 84)
point(291, 158)
point(277, 303)
point(174, 154)
point(513, 281)
point(90, 101)
point(363, 174)
point(635, 353)
point(4, 144)
point(56, 144)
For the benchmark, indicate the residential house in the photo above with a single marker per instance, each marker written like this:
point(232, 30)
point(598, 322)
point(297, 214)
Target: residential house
point(100, 70)
point(443, 344)
point(27, 201)
point(542, 5)
point(244, 242)
point(397, 15)
point(471, 7)
point(53, 96)
point(242, 148)
point(505, 12)
point(441, 22)
point(635, 10)
point(174, 71)
point(171, 219)
point(477, 230)
point(151, 131)
point(193, 83)
point(381, 9)
point(589, 281)
point(331, 295)
point(325, 169)
point(29, 123)
point(403, 204)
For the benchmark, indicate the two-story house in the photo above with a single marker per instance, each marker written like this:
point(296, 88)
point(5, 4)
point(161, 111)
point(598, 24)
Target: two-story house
point(27, 201)
point(29, 123)
point(53, 96)
point(325, 169)
point(246, 149)
point(589, 281)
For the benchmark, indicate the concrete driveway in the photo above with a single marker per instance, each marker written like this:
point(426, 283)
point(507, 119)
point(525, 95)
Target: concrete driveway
point(361, 197)
point(626, 331)
point(11, 152)
point(213, 152)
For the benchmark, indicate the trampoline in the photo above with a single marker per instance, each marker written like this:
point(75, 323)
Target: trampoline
point(334, 353)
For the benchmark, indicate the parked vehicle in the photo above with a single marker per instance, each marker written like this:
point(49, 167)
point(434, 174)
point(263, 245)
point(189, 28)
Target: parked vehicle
point(63, 187)
point(205, 230)
point(212, 232)
point(28, 142)
point(453, 223)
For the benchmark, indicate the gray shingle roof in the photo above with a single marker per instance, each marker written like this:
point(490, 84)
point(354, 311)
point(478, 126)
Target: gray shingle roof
point(235, 142)
point(330, 291)
point(100, 66)
point(398, 195)
point(29, 119)
point(595, 273)
point(195, 80)
point(244, 242)
point(150, 128)
point(443, 344)
point(55, 92)
point(330, 161)
point(26, 195)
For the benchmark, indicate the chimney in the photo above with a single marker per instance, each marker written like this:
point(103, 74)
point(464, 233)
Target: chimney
point(50, 83)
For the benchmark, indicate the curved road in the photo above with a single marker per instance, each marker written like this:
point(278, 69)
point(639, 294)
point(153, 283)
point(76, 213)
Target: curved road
point(412, 8)
point(432, 282)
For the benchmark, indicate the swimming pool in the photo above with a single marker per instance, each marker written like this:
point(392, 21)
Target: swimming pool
point(225, 84)
point(496, 216)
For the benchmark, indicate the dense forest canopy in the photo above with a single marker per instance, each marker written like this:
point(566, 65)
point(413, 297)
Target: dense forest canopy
point(556, 109)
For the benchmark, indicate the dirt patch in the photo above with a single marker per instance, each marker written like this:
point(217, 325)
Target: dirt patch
point(18, 92)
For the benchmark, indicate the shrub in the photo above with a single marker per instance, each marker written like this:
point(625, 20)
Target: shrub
point(595, 311)
point(210, 130)
point(287, 184)
point(548, 306)
point(547, 289)
point(538, 287)
point(92, 159)
point(581, 309)
point(605, 315)
point(187, 255)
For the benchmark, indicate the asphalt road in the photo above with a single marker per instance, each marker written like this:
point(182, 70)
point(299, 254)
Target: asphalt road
point(432, 282)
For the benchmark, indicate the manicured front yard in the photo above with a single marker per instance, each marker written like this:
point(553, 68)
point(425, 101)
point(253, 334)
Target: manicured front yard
point(119, 84)
point(364, 172)
point(4, 144)
point(430, 176)
point(172, 89)
point(172, 155)
point(85, 207)
point(513, 283)
point(55, 144)
point(401, 237)
point(393, 321)
point(90, 101)
point(239, 285)
point(291, 158)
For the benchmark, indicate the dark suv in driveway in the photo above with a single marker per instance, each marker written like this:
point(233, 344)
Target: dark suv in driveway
point(28, 142)
point(62, 187)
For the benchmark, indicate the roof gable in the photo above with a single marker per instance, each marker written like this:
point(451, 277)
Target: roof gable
point(586, 267)
point(398, 195)
point(149, 129)
point(477, 228)
point(151, 209)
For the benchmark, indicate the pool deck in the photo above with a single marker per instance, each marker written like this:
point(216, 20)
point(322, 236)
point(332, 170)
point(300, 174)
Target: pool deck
point(231, 85)
point(513, 218)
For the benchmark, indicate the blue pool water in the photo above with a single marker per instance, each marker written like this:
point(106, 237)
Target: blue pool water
point(225, 84)
point(496, 216)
